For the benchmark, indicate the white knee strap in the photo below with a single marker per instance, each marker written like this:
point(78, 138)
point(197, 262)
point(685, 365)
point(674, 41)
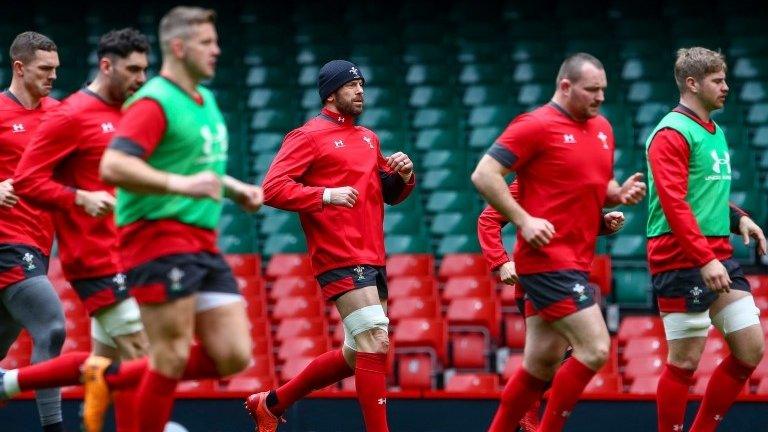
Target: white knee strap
point(736, 316)
point(117, 320)
point(683, 325)
point(362, 320)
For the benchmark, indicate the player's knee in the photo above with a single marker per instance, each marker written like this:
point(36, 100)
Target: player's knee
point(753, 353)
point(234, 361)
point(380, 340)
point(687, 359)
point(596, 353)
point(51, 338)
point(171, 358)
point(368, 328)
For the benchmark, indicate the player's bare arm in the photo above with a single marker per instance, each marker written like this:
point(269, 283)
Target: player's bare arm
point(133, 173)
point(249, 197)
point(488, 178)
point(748, 228)
point(95, 203)
point(631, 192)
point(7, 196)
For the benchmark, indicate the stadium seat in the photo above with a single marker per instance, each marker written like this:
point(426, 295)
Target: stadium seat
point(628, 246)
point(469, 351)
point(425, 74)
point(284, 244)
point(644, 345)
point(480, 95)
point(429, 96)
point(412, 307)
point(514, 331)
point(302, 347)
point(421, 334)
point(251, 286)
point(482, 138)
point(442, 178)
point(468, 286)
point(418, 265)
point(700, 387)
point(650, 365)
point(415, 372)
point(476, 73)
point(293, 366)
point(532, 94)
point(462, 265)
point(291, 328)
point(406, 243)
point(453, 159)
point(244, 264)
point(473, 383)
point(426, 118)
point(604, 383)
point(294, 307)
point(255, 307)
point(632, 287)
point(453, 223)
point(294, 286)
point(280, 222)
point(446, 201)
point(412, 286)
point(638, 326)
point(435, 139)
point(249, 384)
point(380, 118)
point(481, 314)
point(759, 285)
point(753, 91)
point(708, 363)
point(644, 385)
point(513, 363)
point(490, 116)
point(281, 265)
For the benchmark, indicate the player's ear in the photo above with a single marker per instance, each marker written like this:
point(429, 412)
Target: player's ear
point(565, 86)
point(177, 47)
point(692, 85)
point(105, 65)
point(18, 68)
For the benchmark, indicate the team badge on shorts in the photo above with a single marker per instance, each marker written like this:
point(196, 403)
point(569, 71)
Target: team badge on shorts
point(120, 282)
point(29, 261)
point(175, 276)
point(580, 290)
point(359, 271)
point(696, 293)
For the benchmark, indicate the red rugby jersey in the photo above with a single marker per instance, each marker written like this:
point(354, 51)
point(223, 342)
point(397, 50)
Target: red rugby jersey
point(63, 156)
point(24, 223)
point(563, 168)
point(326, 152)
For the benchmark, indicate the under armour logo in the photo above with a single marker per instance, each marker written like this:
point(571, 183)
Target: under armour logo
point(107, 127)
point(604, 139)
point(677, 427)
point(565, 413)
point(340, 119)
point(726, 160)
point(175, 276)
point(18, 127)
point(354, 72)
point(382, 401)
point(29, 260)
point(338, 143)
point(568, 139)
point(718, 418)
point(368, 140)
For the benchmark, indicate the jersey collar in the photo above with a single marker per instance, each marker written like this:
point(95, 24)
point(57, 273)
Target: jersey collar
point(339, 119)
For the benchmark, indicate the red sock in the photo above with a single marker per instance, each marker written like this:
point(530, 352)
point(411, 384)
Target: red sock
point(672, 397)
point(125, 414)
point(57, 372)
point(520, 393)
point(154, 401)
point(567, 387)
point(200, 365)
point(127, 374)
point(725, 385)
point(325, 370)
point(371, 384)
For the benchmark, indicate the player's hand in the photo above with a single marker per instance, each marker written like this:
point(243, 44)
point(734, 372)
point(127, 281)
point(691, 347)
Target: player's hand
point(614, 221)
point(716, 276)
point(344, 196)
point(95, 203)
point(633, 190)
point(250, 197)
point(7, 196)
point(204, 184)
point(507, 273)
point(401, 164)
point(748, 228)
point(537, 232)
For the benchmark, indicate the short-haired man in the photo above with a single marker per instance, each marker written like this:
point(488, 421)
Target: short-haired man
point(27, 298)
point(696, 280)
point(557, 227)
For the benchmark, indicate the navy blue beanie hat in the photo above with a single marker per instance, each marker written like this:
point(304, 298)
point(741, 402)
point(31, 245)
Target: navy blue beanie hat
point(335, 74)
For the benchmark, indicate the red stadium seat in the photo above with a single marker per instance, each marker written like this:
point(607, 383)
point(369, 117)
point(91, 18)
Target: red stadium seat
point(290, 328)
point(469, 351)
point(468, 286)
point(19, 353)
point(338, 335)
point(419, 265)
point(333, 315)
point(245, 265)
point(759, 285)
point(281, 265)
point(462, 264)
point(293, 367)
point(261, 346)
point(507, 296)
point(475, 312)
point(412, 286)
point(430, 333)
point(255, 307)
point(514, 362)
point(636, 326)
point(412, 307)
point(708, 363)
point(716, 343)
point(302, 347)
point(514, 331)
point(261, 366)
point(295, 307)
point(644, 385)
point(250, 285)
point(195, 386)
point(415, 372)
point(644, 346)
point(761, 303)
point(644, 366)
point(294, 286)
point(78, 343)
point(601, 273)
point(475, 383)
point(604, 383)
point(760, 373)
point(701, 386)
point(251, 384)
point(259, 327)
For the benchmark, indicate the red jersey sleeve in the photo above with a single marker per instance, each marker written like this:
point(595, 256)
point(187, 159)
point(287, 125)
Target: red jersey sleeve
point(668, 158)
point(283, 186)
point(54, 140)
point(518, 144)
point(393, 188)
point(141, 129)
point(489, 226)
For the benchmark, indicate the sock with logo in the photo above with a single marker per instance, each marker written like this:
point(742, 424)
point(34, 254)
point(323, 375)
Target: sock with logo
point(154, 401)
point(520, 393)
point(567, 386)
point(672, 397)
point(724, 386)
point(371, 384)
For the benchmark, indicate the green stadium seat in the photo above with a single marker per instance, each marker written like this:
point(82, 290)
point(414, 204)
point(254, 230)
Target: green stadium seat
point(313, 31)
point(426, 53)
point(371, 53)
point(447, 201)
point(647, 91)
point(425, 96)
point(742, 253)
point(393, 140)
point(650, 113)
point(376, 96)
point(636, 220)
point(381, 75)
point(427, 118)
point(481, 73)
point(238, 244)
point(444, 179)
point(615, 112)
point(284, 243)
point(639, 69)
point(453, 224)
point(402, 222)
point(482, 138)
point(625, 157)
point(478, 95)
point(406, 244)
point(633, 287)
point(310, 99)
point(476, 51)
point(753, 201)
point(753, 91)
point(731, 114)
point(281, 222)
point(262, 162)
point(460, 243)
point(529, 50)
point(273, 120)
point(268, 76)
point(628, 246)
point(266, 55)
point(309, 55)
point(529, 71)
point(743, 177)
point(755, 44)
point(422, 30)
point(760, 138)
point(757, 114)
point(750, 68)
point(268, 98)
point(308, 76)
point(452, 159)
point(426, 74)
point(376, 118)
point(534, 94)
point(483, 116)
point(431, 139)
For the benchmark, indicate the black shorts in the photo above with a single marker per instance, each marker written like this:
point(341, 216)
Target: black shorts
point(555, 295)
point(334, 283)
point(100, 292)
point(20, 262)
point(684, 290)
point(172, 277)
